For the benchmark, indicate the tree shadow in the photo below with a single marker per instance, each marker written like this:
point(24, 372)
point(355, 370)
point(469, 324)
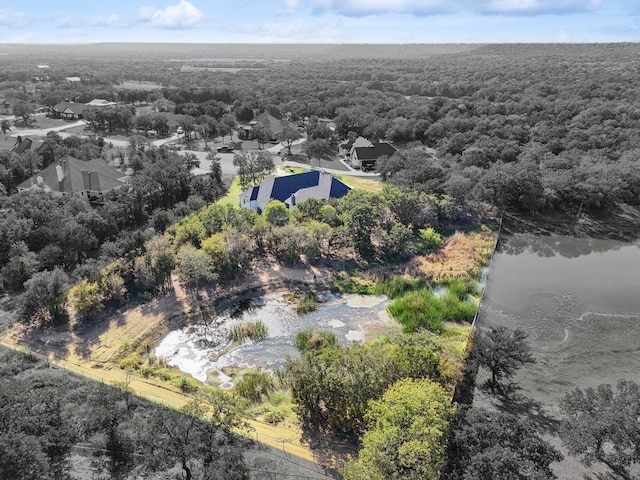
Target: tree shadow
point(510, 401)
point(602, 476)
point(328, 450)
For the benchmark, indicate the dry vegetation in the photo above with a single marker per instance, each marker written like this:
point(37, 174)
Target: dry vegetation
point(458, 258)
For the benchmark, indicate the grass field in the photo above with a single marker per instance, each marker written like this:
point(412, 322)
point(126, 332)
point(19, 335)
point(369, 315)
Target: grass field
point(232, 196)
point(372, 184)
point(140, 85)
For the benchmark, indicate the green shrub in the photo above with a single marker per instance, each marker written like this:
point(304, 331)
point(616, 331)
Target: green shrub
point(396, 286)
point(429, 240)
point(147, 371)
point(276, 398)
point(458, 310)
point(273, 417)
point(310, 339)
point(254, 385)
point(423, 310)
point(419, 309)
point(307, 304)
point(187, 386)
point(132, 362)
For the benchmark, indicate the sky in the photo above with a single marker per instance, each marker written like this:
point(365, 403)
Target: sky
point(319, 21)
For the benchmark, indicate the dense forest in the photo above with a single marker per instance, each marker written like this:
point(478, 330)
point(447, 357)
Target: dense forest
point(531, 127)
point(525, 129)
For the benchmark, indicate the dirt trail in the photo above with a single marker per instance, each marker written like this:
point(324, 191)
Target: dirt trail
point(91, 351)
point(284, 438)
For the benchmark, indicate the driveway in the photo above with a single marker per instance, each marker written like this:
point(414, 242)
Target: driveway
point(229, 170)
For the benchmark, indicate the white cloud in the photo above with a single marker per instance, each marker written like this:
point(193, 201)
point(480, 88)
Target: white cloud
point(434, 7)
point(182, 15)
point(13, 18)
point(538, 7)
point(289, 6)
point(105, 20)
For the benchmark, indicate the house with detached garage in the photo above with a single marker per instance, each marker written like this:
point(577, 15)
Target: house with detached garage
point(90, 180)
point(364, 154)
point(293, 189)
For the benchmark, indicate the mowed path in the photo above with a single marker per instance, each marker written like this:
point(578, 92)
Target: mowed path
point(91, 355)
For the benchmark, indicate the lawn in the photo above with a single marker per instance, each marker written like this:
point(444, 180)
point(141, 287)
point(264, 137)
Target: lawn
point(373, 184)
point(232, 196)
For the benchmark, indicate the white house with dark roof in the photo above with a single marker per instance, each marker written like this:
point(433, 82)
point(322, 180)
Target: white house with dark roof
point(293, 189)
point(364, 154)
point(90, 180)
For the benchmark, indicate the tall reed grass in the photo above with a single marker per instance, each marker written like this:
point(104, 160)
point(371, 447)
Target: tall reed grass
point(252, 331)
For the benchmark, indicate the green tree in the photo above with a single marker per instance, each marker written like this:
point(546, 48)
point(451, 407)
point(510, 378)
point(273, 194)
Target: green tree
point(84, 297)
point(160, 260)
point(44, 296)
point(602, 426)
point(194, 266)
point(308, 209)
point(317, 148)
point(190, 435)
point(276, 213)
point(20, 265)
point(409, 430)
point(332, 387)
point(492, 445)
point(288, 136)
point(25, 111)
point(502, 352)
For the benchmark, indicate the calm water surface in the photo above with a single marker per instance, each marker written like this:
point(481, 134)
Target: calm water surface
point(579, 301)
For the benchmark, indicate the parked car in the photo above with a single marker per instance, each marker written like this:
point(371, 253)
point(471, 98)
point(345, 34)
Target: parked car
point(225, 149)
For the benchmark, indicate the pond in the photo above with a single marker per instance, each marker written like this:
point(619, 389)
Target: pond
point(198, 349)
point(577, 298)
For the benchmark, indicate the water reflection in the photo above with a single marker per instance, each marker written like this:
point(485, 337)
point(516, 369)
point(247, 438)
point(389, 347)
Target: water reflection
point(558, 245)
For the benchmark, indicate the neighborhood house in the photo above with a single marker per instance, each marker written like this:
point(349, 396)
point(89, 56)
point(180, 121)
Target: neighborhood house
point(68, 110)
point(70, 176)
point(293, 189)
point(363, 154)
point(270, 125)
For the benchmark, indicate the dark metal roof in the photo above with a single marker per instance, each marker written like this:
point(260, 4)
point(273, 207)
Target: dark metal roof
point(375, 152)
